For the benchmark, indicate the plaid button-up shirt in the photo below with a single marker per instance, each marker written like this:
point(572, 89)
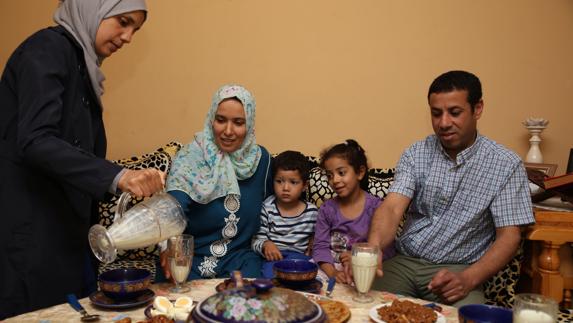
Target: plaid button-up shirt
point(457, 204)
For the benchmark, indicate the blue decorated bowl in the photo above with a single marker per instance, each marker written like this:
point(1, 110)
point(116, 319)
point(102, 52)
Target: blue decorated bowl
point(126, 283)
point(258, 302)
point(480, 313)
point(295, 270)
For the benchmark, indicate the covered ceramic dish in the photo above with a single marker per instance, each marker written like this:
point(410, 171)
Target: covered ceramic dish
point(259, 302)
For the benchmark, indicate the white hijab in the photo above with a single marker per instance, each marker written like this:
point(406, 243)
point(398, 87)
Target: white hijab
point(82, 18)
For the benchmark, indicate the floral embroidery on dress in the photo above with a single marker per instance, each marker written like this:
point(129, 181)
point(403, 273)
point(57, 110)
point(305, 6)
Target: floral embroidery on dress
point(207, 267)
point(230, 229)
point(219, 248)
point(232, 203)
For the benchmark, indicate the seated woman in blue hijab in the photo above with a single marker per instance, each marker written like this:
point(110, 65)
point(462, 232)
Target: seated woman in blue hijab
point(221, 180)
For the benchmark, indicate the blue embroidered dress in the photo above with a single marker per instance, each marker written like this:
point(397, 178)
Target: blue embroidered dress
point(223, 238)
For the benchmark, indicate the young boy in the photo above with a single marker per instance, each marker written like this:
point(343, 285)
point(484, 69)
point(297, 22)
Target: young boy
point(287, 222)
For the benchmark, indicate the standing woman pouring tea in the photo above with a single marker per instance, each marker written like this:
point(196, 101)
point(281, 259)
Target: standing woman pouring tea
point(52, 149)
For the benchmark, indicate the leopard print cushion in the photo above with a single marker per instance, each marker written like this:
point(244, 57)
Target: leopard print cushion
point(565, 315)
point(500, 289)
point(314, 161)
point(143, 257)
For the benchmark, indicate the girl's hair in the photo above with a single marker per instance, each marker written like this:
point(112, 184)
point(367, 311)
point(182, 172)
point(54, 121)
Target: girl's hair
point(352, 152)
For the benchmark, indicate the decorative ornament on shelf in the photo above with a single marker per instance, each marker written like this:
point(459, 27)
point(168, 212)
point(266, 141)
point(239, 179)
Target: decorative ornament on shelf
point(535, 126)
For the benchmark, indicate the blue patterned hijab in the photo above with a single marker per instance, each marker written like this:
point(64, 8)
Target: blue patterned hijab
point(202, 170)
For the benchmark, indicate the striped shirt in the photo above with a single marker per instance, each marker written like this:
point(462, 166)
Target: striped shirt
point(287, 233)
point(457, 204)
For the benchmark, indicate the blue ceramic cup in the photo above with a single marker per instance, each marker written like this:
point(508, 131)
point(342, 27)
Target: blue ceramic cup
point(295, 270)
point(124, 284)
point(480, 313)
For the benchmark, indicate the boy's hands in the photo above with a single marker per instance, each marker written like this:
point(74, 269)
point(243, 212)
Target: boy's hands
point(346, 258)
point(271, 252)
point(342, 278)
point(330, 271)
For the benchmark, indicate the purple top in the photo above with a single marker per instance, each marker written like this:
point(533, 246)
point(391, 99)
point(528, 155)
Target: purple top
point(334, 233)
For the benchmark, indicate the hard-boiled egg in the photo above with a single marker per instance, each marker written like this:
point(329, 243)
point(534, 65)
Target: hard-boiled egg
point(162, 304)
point(155, 312)
point(184, 302)
point(180, 314)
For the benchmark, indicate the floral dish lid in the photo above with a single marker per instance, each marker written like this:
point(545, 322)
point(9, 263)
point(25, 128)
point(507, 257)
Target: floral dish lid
point(258, 302)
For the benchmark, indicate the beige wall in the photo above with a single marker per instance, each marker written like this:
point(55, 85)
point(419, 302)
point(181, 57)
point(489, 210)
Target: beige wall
point(326, 70)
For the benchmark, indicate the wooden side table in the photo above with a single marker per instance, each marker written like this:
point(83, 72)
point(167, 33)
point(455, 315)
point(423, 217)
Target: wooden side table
point(552, 273)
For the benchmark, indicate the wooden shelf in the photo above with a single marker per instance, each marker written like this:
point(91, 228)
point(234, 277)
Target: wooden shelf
point(552, 266)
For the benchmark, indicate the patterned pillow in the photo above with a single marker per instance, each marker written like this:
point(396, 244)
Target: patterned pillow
point(565, 315)
point(500, 289)
point(143, 257)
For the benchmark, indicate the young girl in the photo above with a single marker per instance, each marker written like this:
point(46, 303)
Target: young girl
point(344, 219)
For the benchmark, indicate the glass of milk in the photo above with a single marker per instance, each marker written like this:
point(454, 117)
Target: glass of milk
point(180, 259)
point(534, 308)
point(364, 264)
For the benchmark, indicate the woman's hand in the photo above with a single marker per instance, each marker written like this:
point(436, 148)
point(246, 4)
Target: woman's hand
point(142, 183)
point(164, 264)
point(271, 252)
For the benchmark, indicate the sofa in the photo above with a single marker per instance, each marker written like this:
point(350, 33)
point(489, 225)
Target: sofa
point(499, 290)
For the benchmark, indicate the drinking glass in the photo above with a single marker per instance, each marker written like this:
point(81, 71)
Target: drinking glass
point(364, 265)
point(534, 308)
point(180, 259)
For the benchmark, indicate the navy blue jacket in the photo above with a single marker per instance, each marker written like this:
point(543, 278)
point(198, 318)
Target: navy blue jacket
point(52, 169)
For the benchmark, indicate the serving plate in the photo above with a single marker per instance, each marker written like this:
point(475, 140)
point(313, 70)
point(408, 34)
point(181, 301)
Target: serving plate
point(373, 313)
point(313, 297)
point(99, 299)
point(148, 309)
point(336, 311)
point(230, 284)
point(198, 315)
point(312, 286)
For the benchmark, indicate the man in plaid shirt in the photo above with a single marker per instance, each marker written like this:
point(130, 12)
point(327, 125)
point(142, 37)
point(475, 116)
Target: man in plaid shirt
point(465, 198)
